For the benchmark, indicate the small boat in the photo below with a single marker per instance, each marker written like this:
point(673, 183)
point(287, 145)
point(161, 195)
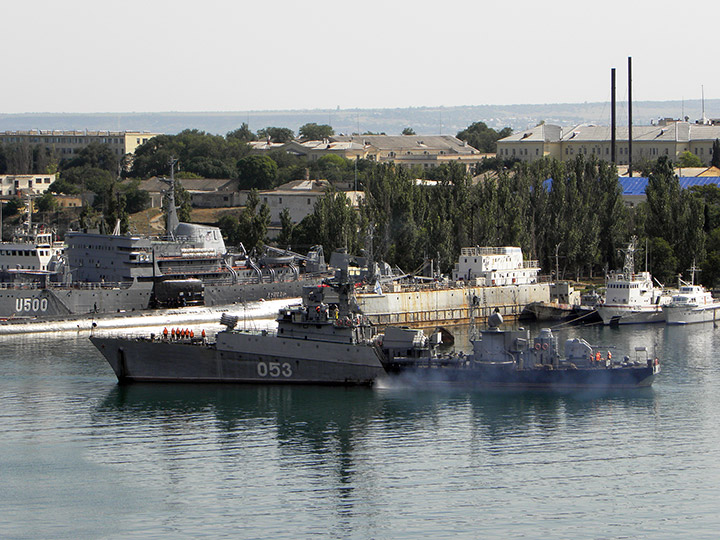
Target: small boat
point(692, 304)
point(632, 298)
point(566, 305)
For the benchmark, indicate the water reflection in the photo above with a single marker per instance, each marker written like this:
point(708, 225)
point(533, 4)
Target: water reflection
point(233, 460)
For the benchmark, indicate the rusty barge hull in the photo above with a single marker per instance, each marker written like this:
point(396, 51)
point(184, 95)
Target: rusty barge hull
point(428, 306)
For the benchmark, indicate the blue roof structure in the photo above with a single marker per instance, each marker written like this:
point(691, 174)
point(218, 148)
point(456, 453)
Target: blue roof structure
point(635, 185)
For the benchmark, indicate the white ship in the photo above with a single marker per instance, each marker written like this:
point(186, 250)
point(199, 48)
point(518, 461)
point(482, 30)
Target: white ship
point(692, 304)
point(632, 298)
point(33, 253)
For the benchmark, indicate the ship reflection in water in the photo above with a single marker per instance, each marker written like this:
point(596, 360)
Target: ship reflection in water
point(83, 457)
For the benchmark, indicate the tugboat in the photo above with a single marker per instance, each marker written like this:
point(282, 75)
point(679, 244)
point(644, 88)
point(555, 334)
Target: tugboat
point(510, 359)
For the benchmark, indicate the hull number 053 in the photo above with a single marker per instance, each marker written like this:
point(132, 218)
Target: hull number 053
point(274, 369)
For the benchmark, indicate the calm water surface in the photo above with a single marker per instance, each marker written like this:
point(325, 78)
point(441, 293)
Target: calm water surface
point(81, 457)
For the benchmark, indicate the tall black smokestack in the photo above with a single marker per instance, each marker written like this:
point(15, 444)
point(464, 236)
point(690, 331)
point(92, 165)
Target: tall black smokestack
point(629, 115)
point(612, 116)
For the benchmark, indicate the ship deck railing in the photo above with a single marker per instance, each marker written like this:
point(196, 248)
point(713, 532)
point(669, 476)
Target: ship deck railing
point(74, 285)
point(439, 285)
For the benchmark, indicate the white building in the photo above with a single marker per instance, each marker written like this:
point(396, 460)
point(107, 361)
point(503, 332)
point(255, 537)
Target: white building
point(666, 138)
point(25, 184)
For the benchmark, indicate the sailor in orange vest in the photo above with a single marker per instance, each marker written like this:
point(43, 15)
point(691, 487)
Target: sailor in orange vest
point(165, 333)
point(203, 335)
point(172, 334)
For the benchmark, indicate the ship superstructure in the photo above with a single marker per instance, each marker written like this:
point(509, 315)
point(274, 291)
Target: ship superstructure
point(630, 297)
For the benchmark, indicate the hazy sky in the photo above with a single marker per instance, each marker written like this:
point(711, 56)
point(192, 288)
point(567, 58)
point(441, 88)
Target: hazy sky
point(209, 55)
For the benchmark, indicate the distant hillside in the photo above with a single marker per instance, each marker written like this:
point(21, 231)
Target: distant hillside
point(424, 120)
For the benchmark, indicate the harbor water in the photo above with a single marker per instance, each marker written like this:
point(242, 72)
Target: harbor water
point(82, 457)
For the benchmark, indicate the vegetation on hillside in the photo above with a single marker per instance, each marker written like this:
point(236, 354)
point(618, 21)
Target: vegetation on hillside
point(569, 213)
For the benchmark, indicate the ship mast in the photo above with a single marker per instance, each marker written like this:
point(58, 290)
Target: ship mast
point(629, 266)
point(172, 218)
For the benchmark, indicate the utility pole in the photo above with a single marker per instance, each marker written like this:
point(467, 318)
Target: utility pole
point(630, 116)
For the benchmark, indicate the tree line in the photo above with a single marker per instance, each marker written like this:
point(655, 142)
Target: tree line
point(568, 214)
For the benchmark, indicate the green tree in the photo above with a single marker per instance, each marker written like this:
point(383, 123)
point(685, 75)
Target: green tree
point(115, 209)
point(94, 155)
point(663, 259)
point(676, 216)
point(333, 224)
point(287, 228)
point(250, 227)
point(480, 136)
point(688, 159)
point(276, 134)
point(197, 152)
point(136, 199)
point(408, 131)
point(253, 223)
point(257, 172)
point(242, 134)
point(315, 132)
point(12, 207)
point(46, 203)
point(715, 161)
point(87, 178)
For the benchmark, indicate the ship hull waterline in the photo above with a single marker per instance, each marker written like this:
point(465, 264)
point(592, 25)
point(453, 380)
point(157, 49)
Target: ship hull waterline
point(263, 359)
point(612, 315)
point(683, 315)
point(565, 380)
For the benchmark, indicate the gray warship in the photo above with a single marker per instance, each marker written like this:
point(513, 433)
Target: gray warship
point(110, 273)
point(511, 359)
point(325, 340)
point(321, 341)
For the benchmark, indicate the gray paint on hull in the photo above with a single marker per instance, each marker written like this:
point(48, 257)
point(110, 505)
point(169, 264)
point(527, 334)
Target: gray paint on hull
point(60, 301)
point(264, 359)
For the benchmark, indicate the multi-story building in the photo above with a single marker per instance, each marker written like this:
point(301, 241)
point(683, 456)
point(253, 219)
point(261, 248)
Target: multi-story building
point(65, 144)
point(424, 150)
point(299, 198)
point(666, 138)
point(25, 184)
